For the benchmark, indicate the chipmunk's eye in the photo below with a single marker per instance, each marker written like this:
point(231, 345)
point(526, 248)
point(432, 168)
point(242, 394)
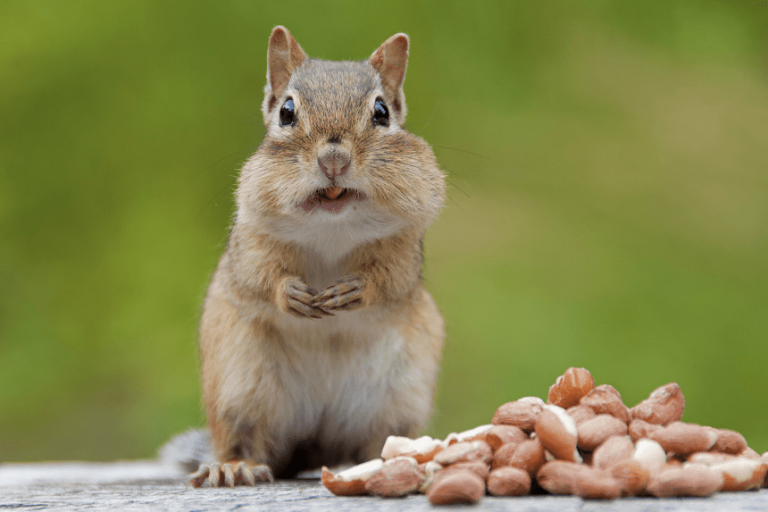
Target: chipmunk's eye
point(380, 113)
point(287, 115)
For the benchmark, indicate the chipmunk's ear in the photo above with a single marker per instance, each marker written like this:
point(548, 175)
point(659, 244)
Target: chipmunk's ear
point(390, 60)
point(283, 57)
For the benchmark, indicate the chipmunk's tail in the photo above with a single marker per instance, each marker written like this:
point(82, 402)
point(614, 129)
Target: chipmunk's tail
point(188, 450)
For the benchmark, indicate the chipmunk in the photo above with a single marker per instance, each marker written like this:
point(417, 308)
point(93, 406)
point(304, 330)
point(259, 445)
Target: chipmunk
point(318, 339)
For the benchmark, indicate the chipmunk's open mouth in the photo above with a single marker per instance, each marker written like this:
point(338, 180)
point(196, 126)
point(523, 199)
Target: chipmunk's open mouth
point(332, 199)
point(332, 193)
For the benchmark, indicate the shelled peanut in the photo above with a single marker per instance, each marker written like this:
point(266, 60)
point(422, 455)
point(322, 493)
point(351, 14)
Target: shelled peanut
point(583, 441)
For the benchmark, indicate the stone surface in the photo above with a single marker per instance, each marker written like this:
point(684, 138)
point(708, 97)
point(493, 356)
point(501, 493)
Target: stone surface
point(149, 485)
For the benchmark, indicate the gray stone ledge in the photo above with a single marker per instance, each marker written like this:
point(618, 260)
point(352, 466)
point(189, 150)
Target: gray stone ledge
point(149, 485)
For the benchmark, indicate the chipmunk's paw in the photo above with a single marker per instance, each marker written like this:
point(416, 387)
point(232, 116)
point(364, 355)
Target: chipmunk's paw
point(299, 296)
point(231, 474)
point(345, 294)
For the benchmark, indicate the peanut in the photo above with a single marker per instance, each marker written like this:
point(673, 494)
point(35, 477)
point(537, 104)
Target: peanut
point(499, 435)
point(570, 387)
point(684, 438)
point(594, 432)
point(528, 456)
point(396, 479)
point(557, 433)
point(604, 399)
point(631, 476)
point(474, 434)
point(465, 452)
point(596, 449)
point(430, 470)
point(664, 405)
point(641, 428)
point(521, 414)
point(690, 481)
point(423, 449)
point(581, 413)
point(563, 477)
point(729, 441)
point(611, 452)
point(458, 486)
point(350, 482)
point(509, 481)
point(479, 468)
point(739, 473)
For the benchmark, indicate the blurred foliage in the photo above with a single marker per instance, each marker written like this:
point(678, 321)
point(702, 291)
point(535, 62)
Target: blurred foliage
point(608, 204)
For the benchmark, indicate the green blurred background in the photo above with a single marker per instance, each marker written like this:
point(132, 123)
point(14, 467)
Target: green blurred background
point(608, 204)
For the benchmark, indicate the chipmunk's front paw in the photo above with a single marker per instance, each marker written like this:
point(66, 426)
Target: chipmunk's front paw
point(231, 474)
point(299, 296)
point(345, 294)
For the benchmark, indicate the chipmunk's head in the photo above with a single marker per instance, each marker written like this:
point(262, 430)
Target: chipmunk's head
point(335, 154)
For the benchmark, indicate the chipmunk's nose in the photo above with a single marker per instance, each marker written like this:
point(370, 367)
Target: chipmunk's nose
point(334, 160)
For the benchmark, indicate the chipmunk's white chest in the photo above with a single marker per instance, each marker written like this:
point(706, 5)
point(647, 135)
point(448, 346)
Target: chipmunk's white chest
point(331, 236)
point(338, 391)
point(320, 272)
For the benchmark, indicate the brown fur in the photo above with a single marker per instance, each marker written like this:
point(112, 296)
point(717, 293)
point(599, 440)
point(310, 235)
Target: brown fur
point(318, 338)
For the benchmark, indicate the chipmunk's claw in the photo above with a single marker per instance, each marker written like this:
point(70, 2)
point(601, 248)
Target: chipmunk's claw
point(198, 478)
point(299, 297)
point(231, 474)
point(345, 294)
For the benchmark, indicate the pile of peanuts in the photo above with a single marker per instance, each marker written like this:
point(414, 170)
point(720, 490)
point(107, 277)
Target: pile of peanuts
point(583, 441)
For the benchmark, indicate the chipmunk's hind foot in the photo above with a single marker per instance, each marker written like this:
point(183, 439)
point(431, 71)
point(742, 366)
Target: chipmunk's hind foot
point(231, 474)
